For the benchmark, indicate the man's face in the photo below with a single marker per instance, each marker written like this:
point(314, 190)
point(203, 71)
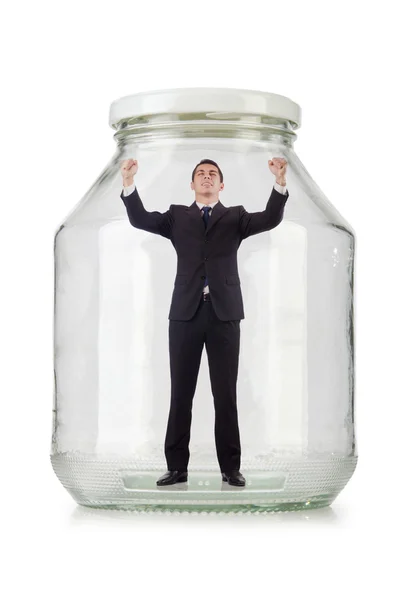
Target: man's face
point(207, 181)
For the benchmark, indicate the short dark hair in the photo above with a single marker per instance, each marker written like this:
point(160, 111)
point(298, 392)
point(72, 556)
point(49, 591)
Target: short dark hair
point(207, 161)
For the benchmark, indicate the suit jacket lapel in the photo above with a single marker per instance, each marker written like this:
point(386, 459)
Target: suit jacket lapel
point(217, 213)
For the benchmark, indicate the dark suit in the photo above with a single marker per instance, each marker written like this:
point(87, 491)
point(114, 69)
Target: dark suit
point(202, 252)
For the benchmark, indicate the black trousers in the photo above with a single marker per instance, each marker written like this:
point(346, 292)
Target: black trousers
point(222, 342)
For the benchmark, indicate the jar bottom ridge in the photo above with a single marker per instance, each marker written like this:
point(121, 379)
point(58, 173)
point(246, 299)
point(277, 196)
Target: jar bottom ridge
point(272, 484)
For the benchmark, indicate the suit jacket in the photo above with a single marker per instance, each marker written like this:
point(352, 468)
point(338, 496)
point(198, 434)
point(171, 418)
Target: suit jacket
point(202, 252)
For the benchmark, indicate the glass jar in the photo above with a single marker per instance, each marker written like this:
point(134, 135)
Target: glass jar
point(274, 399)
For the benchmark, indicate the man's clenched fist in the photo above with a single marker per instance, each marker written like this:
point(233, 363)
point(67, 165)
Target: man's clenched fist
point(278, 167)
point(128, 169)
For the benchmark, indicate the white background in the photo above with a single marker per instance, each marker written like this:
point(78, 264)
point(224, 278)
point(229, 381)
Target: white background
point(62, 64)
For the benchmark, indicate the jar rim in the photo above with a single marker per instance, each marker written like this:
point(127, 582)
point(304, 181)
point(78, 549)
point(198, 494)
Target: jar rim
point(210, 100)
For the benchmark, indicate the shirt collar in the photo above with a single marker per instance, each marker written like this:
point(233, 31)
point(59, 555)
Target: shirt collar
point(200, 204)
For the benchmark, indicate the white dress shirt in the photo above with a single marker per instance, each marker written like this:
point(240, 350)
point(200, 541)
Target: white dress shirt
point(279, 188)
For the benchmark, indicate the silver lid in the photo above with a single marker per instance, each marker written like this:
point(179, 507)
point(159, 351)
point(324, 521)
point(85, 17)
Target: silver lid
point(227, 101)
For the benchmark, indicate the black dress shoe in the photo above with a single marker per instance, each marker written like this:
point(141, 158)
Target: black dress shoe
point(171, 477)
point(233, 477)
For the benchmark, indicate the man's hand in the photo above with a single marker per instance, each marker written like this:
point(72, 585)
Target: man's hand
point(128, 170)
point(278, 167)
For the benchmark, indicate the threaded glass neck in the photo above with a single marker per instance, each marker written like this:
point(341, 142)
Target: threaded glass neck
point(205, 125)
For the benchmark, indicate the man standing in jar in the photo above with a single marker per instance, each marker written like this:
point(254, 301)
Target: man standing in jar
point(207, 305)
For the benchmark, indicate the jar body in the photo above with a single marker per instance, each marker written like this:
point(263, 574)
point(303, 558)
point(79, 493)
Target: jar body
point(113, 288)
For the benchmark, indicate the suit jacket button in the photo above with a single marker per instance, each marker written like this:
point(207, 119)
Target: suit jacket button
point(202, 276)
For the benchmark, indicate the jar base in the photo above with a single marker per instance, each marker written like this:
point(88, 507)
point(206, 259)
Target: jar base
point(217, 508)
point(280, 484)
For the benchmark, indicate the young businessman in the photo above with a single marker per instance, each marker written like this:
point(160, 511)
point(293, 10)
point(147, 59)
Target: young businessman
point(207, 305)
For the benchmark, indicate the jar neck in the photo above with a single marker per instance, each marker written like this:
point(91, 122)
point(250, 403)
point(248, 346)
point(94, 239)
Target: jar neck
point(257, 128)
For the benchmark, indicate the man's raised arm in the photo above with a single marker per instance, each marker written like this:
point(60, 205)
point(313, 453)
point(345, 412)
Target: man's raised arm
point(258, 222)
point(139, 217)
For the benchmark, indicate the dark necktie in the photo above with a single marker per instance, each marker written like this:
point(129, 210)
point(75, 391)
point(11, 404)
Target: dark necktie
point(206, 211)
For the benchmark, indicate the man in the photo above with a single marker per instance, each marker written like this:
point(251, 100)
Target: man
point(206, 306)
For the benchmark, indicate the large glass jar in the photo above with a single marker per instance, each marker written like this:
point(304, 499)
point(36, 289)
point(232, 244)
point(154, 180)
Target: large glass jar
point(274, 396)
